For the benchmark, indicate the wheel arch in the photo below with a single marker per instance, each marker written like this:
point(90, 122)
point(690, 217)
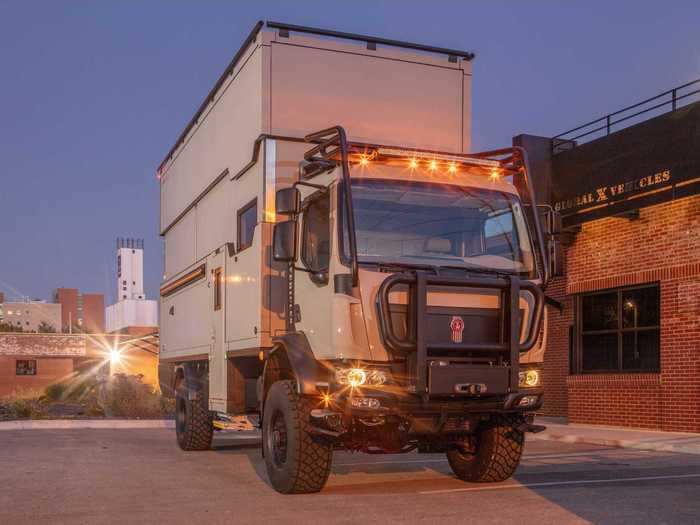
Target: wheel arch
point(292, 358)
point(193, 376)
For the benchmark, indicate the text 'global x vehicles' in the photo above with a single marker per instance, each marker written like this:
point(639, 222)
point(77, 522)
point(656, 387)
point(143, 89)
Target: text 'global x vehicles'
point(376, 291)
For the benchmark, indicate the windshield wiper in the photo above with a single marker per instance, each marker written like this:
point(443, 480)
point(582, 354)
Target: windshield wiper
point(391, 267)
point(477, 269)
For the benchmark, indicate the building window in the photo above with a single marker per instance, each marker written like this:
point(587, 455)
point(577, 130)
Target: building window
point(247, 219)
point(217, 288)
point(619, 330)
point(25, 367)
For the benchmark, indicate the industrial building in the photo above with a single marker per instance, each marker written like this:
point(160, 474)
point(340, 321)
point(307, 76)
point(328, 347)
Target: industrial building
point(80, 312)
point(132, 313)
point(30, 315)
point(623, 340)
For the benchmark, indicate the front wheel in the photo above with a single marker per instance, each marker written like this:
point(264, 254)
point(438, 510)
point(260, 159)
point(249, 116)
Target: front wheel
point(297, 463)
point(495, 453)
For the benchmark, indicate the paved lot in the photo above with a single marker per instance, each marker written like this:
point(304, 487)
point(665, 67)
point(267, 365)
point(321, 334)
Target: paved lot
point(140, 476)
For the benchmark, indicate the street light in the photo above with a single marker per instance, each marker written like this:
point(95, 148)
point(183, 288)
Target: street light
point(115, 356)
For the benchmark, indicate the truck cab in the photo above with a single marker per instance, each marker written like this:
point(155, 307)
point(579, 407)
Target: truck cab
point(415, 286)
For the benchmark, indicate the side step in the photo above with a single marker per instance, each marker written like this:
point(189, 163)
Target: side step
point(239, 423)
point(529, 427)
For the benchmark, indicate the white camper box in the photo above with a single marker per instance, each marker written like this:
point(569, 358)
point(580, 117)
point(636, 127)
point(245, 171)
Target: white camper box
point(282, 83)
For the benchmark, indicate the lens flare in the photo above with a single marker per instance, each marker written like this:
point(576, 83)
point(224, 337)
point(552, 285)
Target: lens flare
point(115, 356)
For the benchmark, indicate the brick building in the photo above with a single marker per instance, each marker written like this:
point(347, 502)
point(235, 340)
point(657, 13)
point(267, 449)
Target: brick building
point(81, 311)
point(625, 348)
point(31, 362)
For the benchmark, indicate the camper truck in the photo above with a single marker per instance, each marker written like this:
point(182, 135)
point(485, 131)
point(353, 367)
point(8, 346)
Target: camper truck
point(340, 271)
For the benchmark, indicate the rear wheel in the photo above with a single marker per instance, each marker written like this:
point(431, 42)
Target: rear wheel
point(296, 462)
point(495, 453)
point(193, 421)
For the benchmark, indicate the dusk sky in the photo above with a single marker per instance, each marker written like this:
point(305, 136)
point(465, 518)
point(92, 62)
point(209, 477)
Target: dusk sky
point(93, 94)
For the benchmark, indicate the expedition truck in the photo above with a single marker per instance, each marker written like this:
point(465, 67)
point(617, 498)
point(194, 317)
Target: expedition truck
point(339, 272)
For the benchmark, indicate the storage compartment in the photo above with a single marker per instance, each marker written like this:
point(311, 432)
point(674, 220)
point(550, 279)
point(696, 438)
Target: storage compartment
point(241, 380)
point(448, 379)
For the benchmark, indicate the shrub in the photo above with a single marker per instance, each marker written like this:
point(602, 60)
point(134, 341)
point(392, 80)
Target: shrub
point(128, 396)
point(56, 391)
point(21, 407)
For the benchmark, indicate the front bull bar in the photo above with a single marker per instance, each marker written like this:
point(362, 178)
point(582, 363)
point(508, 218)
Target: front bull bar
point(509, 286)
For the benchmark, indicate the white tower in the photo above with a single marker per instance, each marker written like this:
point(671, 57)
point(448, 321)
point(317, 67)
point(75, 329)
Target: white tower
point(130, 269)
point(132, 312)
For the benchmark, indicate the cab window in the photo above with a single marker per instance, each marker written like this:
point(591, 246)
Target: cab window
point(316, 246)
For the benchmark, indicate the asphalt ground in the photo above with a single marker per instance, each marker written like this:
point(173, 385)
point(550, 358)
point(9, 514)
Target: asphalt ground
point(140, 476)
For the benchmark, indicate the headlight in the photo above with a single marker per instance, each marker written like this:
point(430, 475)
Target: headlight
point(529, 378)
point(355, 377)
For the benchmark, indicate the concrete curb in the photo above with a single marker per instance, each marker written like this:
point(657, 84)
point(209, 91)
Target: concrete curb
point(68, 424)
point(623, 438)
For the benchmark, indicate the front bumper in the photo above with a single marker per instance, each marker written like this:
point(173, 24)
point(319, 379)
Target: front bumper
point(391, 402)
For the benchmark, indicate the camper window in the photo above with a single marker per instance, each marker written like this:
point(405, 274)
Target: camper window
point(247, 219)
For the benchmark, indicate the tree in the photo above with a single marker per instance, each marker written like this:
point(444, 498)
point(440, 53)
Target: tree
point(46, 328)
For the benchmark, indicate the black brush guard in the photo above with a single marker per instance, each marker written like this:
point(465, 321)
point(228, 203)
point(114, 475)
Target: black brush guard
point(419, 346)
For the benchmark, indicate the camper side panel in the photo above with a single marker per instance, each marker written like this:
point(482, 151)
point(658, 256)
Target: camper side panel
point(185, 322)
point(222, 140)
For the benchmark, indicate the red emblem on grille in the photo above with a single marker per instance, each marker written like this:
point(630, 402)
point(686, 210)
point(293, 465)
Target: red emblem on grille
point(457, 328)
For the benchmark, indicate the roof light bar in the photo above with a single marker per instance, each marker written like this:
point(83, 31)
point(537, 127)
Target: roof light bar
point(423, 155)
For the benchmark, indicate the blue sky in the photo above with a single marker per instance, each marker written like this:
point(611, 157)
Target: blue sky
point(93, 94)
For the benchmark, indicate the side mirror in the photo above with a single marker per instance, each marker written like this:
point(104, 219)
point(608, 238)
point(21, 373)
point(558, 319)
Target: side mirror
point(556, 257)
point(288, 201)
point(284, 241)
point(555, 226)
point(549, 219)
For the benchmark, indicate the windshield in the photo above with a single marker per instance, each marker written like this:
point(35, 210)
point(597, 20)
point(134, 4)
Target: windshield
point(440, 224)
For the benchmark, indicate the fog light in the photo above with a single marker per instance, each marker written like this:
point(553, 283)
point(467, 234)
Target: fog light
point(365, 402)
point(527, 401)
point(529, 378)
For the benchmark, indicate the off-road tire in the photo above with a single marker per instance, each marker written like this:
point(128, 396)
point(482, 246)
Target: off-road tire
point(306, 463)
point(193, 421)
point(499, 447)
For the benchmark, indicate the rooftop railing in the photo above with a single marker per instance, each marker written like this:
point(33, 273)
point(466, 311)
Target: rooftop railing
point(603, 126)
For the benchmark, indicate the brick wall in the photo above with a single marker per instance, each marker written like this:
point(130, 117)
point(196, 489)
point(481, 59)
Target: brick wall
point(49, 370)
point(630, 400)
point(556, 353)
point(663, 246)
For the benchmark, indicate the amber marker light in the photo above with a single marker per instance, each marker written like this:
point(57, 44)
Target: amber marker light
point(364, 161)
point(452, 168)
point(413, 164)
point(495, 174)
point(433, 165)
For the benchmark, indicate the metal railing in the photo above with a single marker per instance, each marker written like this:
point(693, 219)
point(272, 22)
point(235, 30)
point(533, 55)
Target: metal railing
point(602, 126)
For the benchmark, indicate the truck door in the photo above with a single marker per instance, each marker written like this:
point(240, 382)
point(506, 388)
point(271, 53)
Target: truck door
point(312, 292)
point(217, 349)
